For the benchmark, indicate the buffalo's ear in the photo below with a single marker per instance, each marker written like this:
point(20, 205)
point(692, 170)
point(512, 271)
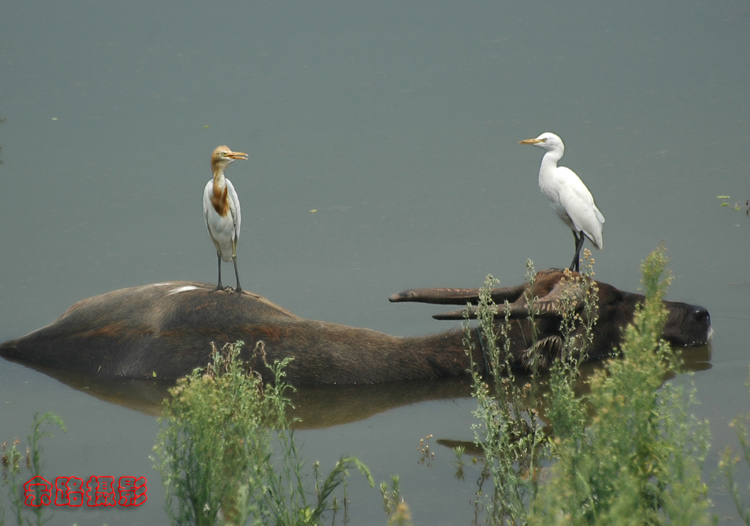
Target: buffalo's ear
point(551, 303)
point(547, 306)
point(550, 285)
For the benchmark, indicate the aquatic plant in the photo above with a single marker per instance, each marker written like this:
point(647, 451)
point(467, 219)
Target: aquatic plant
point(508, 430)
point(11, 459)
point(638, 460)
point(628, 452)
point(227, 454)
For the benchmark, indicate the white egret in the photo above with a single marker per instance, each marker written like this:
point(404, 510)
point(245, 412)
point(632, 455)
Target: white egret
point(221, 209)
point(568, 196)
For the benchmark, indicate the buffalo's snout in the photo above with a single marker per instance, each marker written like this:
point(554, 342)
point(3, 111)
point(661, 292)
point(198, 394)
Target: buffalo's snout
point(701, 316)
point(694, 327)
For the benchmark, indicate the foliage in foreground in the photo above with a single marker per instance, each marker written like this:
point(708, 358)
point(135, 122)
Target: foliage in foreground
point(636, 461)
point(508, 429)
point(639, 459)
point(11, 458)
point(227, 454)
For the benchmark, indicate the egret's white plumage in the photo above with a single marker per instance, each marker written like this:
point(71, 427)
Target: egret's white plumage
point(221, 209)
point(568, 196)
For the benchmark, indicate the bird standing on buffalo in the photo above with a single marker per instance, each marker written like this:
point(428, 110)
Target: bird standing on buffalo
point(568, 196)
point(221, 209)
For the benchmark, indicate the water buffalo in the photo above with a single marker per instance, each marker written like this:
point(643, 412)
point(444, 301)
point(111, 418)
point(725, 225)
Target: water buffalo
point(164, 331)
point(686, 326)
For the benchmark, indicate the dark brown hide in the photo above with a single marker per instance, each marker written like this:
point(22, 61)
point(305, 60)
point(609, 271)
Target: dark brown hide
point(165, 330)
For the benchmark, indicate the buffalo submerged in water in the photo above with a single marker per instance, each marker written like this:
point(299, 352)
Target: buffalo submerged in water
point(165, 331)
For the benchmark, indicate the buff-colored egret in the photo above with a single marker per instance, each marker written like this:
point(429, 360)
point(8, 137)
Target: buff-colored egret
point(568, 196)
point(221, 209)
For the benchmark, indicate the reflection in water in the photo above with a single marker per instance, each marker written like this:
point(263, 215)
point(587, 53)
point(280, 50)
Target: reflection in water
point(319, 407)
point(327, 406)
point(693, 360)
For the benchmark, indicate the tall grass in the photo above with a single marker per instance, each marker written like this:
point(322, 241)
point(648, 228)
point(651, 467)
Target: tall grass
point(509, 430)
point(11, 462)
point(227, 454)
point(637, 460)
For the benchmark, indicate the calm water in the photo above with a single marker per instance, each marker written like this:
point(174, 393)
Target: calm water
point(398, 124)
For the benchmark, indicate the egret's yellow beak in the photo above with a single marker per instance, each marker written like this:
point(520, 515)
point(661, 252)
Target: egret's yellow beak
point(532, 141)
point(237, 155)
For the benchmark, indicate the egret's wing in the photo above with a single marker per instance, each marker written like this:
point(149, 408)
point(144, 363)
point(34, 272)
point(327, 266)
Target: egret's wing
point(599, 215)
point(578, 202)
point(235, 208)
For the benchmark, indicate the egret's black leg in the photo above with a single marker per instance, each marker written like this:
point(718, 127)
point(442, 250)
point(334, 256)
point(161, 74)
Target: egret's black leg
point(219, 287)
point(237, 276)
point(238, 289)
point(575, 265)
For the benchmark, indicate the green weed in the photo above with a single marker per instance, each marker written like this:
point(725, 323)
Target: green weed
point(508, 429)
point(11, 459)
point(638, 460)
point(228, 456)
point(629, 452)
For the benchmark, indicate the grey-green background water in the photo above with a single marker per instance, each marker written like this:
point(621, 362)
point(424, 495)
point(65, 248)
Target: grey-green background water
point(398, 123)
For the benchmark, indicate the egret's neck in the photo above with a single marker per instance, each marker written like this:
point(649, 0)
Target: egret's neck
point(218, 174)
point(220, 181)
point(219, 197)
point(549, 163)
